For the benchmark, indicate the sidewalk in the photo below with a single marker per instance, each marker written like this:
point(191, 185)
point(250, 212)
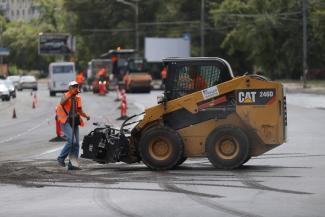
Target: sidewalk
point(298, 88)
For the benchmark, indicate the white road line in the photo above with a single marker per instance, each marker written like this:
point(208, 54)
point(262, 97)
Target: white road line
point(53, 150)
point(24, 133)
point(47, 152)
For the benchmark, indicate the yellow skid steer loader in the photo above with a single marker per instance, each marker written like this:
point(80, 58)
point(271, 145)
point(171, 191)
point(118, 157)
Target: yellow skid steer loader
point(205, 112)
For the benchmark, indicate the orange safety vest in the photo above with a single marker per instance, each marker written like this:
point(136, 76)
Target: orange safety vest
point(198, 83)
point(114, 58)
point(80, 78)
point(62, 112)
point(101, 73)
point(164, 73)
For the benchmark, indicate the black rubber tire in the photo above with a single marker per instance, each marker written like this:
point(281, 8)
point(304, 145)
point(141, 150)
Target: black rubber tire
point(160, 139)
point(218, 143)
point(181, 160)
point(247, 159)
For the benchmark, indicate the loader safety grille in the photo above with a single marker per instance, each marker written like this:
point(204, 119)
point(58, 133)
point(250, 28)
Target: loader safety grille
point(191, 78)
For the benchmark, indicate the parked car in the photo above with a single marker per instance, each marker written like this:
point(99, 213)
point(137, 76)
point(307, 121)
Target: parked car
point(4, 92)
point(27, 82)
point(15, 79)
point(11, 87)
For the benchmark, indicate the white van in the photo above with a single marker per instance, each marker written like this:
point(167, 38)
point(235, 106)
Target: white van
point(60, 74)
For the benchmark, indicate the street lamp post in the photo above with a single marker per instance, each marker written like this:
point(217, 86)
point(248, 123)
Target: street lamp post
point(136, 8)
point(202, 28)
point(304, 47)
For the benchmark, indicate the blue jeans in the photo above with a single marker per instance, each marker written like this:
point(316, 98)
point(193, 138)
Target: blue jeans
point(67, 129)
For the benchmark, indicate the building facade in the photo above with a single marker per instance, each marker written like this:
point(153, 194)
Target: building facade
point(19, 10)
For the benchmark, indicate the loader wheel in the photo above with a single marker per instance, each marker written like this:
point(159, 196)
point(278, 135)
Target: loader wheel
point(227, 147)
point(161, 148)
point(181, 160)
point(247, 159)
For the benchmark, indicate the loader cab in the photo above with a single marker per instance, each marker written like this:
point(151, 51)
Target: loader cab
point(188, 75)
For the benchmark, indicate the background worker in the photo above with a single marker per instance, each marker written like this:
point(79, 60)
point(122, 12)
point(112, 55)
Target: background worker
point(115, 65)
point(101, 74)
point(198, 82)
point(70, 105)
point(80, 78)
point(164, 76)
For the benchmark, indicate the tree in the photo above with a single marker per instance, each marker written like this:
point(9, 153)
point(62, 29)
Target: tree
point(22, 41)
point(269, 32)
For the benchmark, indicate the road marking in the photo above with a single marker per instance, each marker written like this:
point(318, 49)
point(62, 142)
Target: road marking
point(47, 152)
point(24, 133)
point(53, 150)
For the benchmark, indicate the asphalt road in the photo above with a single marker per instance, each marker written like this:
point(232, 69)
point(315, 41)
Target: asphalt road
point(287, 181)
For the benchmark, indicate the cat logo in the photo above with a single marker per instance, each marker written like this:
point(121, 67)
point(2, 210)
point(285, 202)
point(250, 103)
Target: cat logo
point(247, 97)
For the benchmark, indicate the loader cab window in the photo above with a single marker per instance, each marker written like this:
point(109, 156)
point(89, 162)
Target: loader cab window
point(188, 78)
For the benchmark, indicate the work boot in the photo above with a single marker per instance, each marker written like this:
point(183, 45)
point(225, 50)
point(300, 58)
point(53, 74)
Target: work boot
point(71, 167)
point(61, 162)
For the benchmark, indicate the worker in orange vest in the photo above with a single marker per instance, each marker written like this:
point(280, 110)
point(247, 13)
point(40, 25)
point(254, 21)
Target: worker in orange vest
point(164, 76)
point(102, 80)
point(80, 78)
point(115, 65)
point(70, 105)
point(101, 73)
point(198, 82)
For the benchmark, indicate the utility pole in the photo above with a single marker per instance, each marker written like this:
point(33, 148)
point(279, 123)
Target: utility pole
point(304, 46)
point(202, 28)
point(1, 57)
point(135, 6)
point(137, 27)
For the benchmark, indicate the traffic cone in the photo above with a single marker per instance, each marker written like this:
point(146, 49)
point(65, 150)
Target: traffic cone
point(59, 134)
point(14, 114)
point(58, 128)
point(102, 88)
point(35, 98)
point(123, 106)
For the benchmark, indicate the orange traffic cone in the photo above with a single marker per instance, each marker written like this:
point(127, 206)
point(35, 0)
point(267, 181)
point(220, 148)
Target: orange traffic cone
point(59, 134)
point(14, 114)
point(35, 98)
point(123, 106)
point(58, 128)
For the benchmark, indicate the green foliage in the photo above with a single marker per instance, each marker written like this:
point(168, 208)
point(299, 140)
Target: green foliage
point(263, 31)
point(22, 41)
point(269, 32)
point(251, 34)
